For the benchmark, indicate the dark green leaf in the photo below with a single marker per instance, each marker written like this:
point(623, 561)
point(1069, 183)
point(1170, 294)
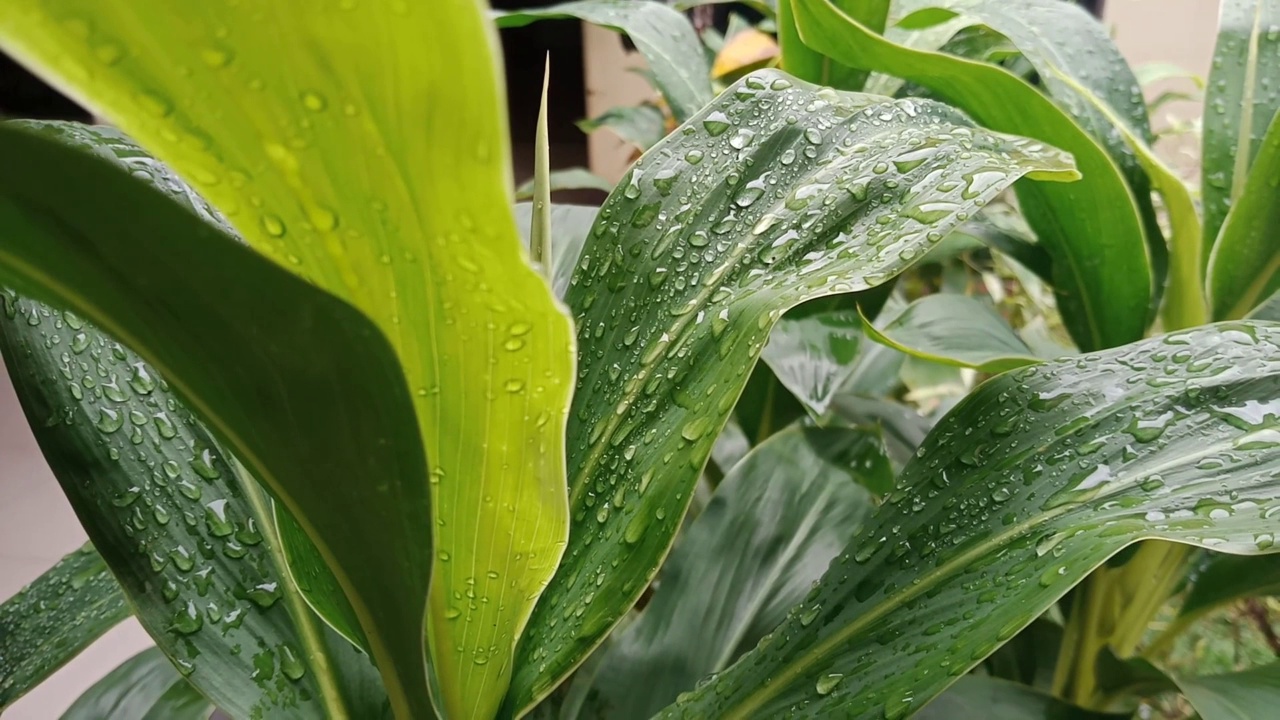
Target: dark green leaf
point(713, 235)
point(767, 535)
point(993, 699)
point(145, 687)
point(1242, 99)
point(1103, 304)
point(1226, 579)
point(51, 620)
point(662, 35)
point(640, 125)
point(1244, 266)
point(121, 253)
point(1247, 695)
point(955, 330)
point(1017, 494)
point(813, 355)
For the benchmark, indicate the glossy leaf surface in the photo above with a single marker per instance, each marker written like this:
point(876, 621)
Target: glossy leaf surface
point(121, 251)
point(1244, 266)
point(813, 355)
point(372, 159)
point(1242, 98)
point(1104, 303)
point(955, 330)
point(773, 525)
point(1031, 482)
point(733, 219)
point(665, 38)
point(144, 687)
point(51, 620)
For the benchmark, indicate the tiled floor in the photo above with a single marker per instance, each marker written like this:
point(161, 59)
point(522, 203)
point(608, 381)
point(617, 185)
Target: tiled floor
point(37, 528)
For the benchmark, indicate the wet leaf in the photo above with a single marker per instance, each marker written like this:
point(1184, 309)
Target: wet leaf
point(771, 528)
point(955, 330)
point(144, 687)
point(1103, 303)
point(54, 618)
point(1242, 98)
point(1244, 267)
point(1029, 484)
point(381, 175)
point(718, 230)
point(163, 508)
point(663, 36)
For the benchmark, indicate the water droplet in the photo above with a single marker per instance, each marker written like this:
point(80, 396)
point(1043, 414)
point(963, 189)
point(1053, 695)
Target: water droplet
point(314, 101)
point(273, 225)
point(716, 123)
point(828, 683)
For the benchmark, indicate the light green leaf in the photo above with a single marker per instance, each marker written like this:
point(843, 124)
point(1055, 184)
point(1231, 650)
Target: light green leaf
point(810, 65)
point(975, 696)
point(1103, 304)
point(51, 620)
point(663, 36)
point(1242, 99)
point(770, 530)
point(1244, 266)
point(1030, 483)
point(372, 159)
point(1246, 695)
point(121, 252)
point(569, 227)
point(144, 687)
point(540, 220)
point(567, 179)
point(715, 233)
point(641, 125)
point(955, 330)
point(813, 354)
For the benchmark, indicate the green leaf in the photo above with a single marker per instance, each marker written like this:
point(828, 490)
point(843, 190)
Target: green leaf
point(812, 66)
point(1103, 304)
point(373, 159)
point(567, 179)
point(540, 221)
point(663, 36)
point(813, 354)
point(144, 687)
point(1030, 483)
point(715, 233)
point(186, 533)
point(955, 330)
point(76, 228)
point(1242, 99)
point(1244, 266)
point(1245, 695)
point(642, 125)
point(771, 528)
point(1268, 309)
point(1226, 579)
point(569, 227)
point(54, 618)
point(975, 696)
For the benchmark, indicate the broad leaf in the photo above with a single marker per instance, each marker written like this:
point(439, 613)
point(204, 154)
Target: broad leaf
point(1246, 695)
point(641, 125)
point(1244, 266)
point(975, 696)
point(955, 330)
point(144, 687)
point(1242, 99)
point(1103, 304)
point(776, 193)
point(813, 354)
point(121, 253)
point(373, 159)
point(1019, 492)
point(808, 64)
point(51, 620)
point(770, 530)
point(664, 36)
point(189, 539)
